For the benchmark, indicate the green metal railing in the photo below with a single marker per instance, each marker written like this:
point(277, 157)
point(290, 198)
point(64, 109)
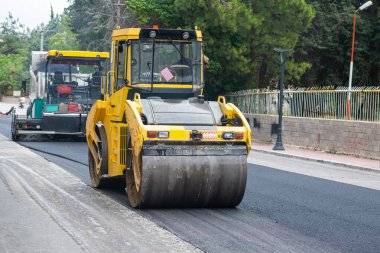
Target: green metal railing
point(312, 103)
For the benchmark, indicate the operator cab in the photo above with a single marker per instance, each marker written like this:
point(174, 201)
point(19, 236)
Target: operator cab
point(155, 62)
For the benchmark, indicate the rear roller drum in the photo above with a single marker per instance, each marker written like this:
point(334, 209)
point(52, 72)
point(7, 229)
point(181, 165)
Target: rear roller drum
point(133, 189)
point(98, 165)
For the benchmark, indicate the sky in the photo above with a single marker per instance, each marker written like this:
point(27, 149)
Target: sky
point(31, 12)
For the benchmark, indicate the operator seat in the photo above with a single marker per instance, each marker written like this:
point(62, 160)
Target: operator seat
point(58, 77)
point(96, 78)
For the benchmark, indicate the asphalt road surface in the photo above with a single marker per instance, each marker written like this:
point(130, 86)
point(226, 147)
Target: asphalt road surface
point(281, 211)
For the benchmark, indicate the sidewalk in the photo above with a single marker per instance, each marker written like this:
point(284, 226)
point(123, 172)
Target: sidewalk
point(320, 156)
point(5, 107)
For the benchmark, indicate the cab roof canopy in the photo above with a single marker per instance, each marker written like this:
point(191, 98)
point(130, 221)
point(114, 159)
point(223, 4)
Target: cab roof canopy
point(159, 33)
point(76, 54)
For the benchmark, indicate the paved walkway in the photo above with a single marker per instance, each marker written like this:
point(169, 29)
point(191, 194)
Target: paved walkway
point(320, 156)
point(5, 107)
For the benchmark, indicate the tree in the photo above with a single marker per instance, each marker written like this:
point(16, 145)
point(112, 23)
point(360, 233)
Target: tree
point(327, 44)
point(12, 35)
point(65, 39)
point(11, 71)
point(13, 39)
point(279, 24)
point(51, 12)
point(239, 35)
point(94, 21)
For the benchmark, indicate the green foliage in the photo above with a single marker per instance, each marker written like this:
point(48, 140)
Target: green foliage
point(226, 29)
point(12, 35)
point(94, 20)
point(91, 21)
point(153, 12)
point(13, 51)
point(295, 72)
point(239, 36)
point(327, 44)
point(65, 39)
point(11, 71)
point(279, 24)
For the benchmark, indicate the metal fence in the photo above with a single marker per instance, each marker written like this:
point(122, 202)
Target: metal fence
point(312, 103)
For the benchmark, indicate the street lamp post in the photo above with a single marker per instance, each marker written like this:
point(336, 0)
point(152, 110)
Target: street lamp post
point(283, 52)
point(348, 104)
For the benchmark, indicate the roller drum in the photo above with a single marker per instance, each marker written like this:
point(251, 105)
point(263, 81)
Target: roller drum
point(193, 181)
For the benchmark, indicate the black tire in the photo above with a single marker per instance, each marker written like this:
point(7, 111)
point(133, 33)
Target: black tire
point(134, 196)
point(96, 179)
point(96, 175)
point(15, 137)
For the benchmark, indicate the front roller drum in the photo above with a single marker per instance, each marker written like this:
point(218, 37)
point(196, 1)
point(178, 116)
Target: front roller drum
point(191, 181)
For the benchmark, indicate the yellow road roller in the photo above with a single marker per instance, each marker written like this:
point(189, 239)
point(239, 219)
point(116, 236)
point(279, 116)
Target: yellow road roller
point(154, 126)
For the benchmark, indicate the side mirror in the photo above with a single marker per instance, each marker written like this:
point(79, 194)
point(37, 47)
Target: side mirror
point(120, 48)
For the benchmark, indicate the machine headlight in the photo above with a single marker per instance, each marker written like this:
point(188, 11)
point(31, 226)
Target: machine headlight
point(185, 35)
point(228, 135)
point(163, 134)
point(160, 134)
point(152, 34)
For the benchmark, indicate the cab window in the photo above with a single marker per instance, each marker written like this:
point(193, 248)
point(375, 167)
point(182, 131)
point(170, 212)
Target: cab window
point(121, 64)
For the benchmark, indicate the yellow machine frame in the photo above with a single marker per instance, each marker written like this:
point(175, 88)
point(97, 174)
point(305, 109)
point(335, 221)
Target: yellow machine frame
point(119, 120)
point(80, 54)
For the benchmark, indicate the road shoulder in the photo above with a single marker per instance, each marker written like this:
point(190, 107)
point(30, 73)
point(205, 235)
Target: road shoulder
point(53, 208)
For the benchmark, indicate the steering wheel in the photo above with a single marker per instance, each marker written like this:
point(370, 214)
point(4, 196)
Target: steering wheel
point(178, 68)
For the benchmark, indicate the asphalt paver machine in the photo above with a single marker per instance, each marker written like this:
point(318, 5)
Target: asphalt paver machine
point(155, 128)
point(63, 87)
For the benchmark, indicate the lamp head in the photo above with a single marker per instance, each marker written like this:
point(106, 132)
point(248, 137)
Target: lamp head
point(282, 50)
point(365, 5)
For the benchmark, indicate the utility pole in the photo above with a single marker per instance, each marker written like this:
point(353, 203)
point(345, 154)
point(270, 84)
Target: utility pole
point(119, 5)
point(42, 41)
point(283, 52)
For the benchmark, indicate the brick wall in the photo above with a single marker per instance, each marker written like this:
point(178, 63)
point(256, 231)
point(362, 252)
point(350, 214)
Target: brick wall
point(350, 137)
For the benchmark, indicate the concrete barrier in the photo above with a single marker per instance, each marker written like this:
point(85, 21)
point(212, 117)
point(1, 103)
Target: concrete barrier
point(334, 136)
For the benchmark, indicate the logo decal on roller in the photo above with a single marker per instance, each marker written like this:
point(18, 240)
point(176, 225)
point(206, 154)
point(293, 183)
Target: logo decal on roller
point(210, 135)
